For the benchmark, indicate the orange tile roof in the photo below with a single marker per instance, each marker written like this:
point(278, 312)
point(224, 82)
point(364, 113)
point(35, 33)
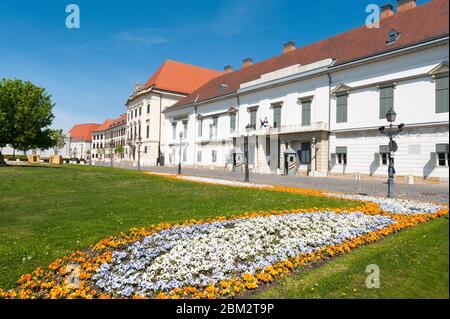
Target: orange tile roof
point(83, 132)
point(180, 77)
point(104, 126)
point(119, 121)
point(423, 23)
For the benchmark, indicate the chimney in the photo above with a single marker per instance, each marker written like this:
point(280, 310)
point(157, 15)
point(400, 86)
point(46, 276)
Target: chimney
point(228, 69)
point(405, 5)
point(247, 62)
point(387, 11)
point(288, 47)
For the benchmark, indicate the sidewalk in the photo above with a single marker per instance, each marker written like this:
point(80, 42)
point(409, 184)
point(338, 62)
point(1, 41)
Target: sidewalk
point(422, 192)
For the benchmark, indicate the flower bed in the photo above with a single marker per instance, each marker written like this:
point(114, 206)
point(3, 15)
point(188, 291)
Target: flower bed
point(203, 255)
point(223, 256)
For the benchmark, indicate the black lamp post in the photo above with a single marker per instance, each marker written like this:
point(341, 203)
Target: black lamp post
point(139, 143)
point(246, 170)
point(391, 131)
point(179, 160)
point(111, 145)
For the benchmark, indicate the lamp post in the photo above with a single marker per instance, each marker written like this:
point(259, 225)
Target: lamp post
point(139, 143)
point(314, 142)
point(246, 170)
point(111, 145)
point(391, 131)
point(179, 160)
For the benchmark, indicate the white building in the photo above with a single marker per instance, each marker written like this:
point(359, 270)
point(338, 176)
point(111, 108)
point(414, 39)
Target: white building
point(317, 109)
point(80, 139)
point(107, 137)
point(145, 125)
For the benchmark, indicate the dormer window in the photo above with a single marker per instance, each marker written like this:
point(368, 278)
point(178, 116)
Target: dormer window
point(393, 36)
point(222, 87)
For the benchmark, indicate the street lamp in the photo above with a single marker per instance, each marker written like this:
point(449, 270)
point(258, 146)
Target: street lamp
point(247, 173)
point(179, 161)
point(139, 143)
point(391, 132)
point(111, 145)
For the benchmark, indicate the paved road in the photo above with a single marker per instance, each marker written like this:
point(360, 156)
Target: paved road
point(422, 192)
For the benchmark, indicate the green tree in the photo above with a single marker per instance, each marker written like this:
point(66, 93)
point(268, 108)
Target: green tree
point(118, 149)
point(59, 140)
point(25, 116)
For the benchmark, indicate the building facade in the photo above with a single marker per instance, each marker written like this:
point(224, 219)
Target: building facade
point(316, 110)
point(106, 139)
point(80, 139)
point(145, 121)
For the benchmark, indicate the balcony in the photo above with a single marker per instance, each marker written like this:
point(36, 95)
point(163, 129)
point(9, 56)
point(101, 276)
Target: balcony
point(287, 129)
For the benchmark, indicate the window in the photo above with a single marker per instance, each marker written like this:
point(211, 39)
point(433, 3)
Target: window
point(148, 131)
point(277, 117)
point(199, 156)
point(213, 128)
point(442, 94)
point(139, 131)
point(253, 119)
point(341, 108)
point(442, 151)
point(148, 108)
point(200, 127)
point(145, 149)
point(341, 155)
point(305, 154)
point(185, 129)
point(174, 131)
point(306, 112)
point(386, 100)
point(393, 36)
point(135, 112)
point(232, 122)
point(267, 145)
point(384, 154)
point(214, 156)
point(140, 110)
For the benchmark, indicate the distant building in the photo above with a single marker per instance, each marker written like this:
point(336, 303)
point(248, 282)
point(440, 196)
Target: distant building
point(145, 121)
point(106, 137)
point(80, 139)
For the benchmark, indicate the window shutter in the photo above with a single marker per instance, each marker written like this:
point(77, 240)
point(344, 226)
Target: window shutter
point(442, 94)
point(277, 117)
point(434, 159)
point(442, 148)
point(341, 108)
point(386, 100)
point(384, 149)
point(333, 160)
point(377, 159)
point(306, 113)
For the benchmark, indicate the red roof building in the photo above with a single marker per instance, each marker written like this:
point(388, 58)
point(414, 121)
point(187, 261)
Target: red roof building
point(83, 132)
point(416, 25)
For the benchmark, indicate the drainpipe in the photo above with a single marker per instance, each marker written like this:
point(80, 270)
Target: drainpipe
point(329, 122)
point(160, 125)
point(195, 137)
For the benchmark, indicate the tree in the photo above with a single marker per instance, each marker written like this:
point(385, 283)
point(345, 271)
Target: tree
point(118, 149)
point(59, 140)
point(25, 116)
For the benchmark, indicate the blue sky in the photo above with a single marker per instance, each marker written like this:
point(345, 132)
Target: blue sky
point(91, 71)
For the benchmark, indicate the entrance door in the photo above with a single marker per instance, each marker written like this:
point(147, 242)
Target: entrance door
point(305, 154)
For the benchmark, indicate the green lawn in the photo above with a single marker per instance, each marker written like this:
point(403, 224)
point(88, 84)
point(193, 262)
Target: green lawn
point(413, 264)
point(48, 212)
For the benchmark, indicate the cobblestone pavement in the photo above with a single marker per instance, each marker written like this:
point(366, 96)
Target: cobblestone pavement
point(422, 192)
